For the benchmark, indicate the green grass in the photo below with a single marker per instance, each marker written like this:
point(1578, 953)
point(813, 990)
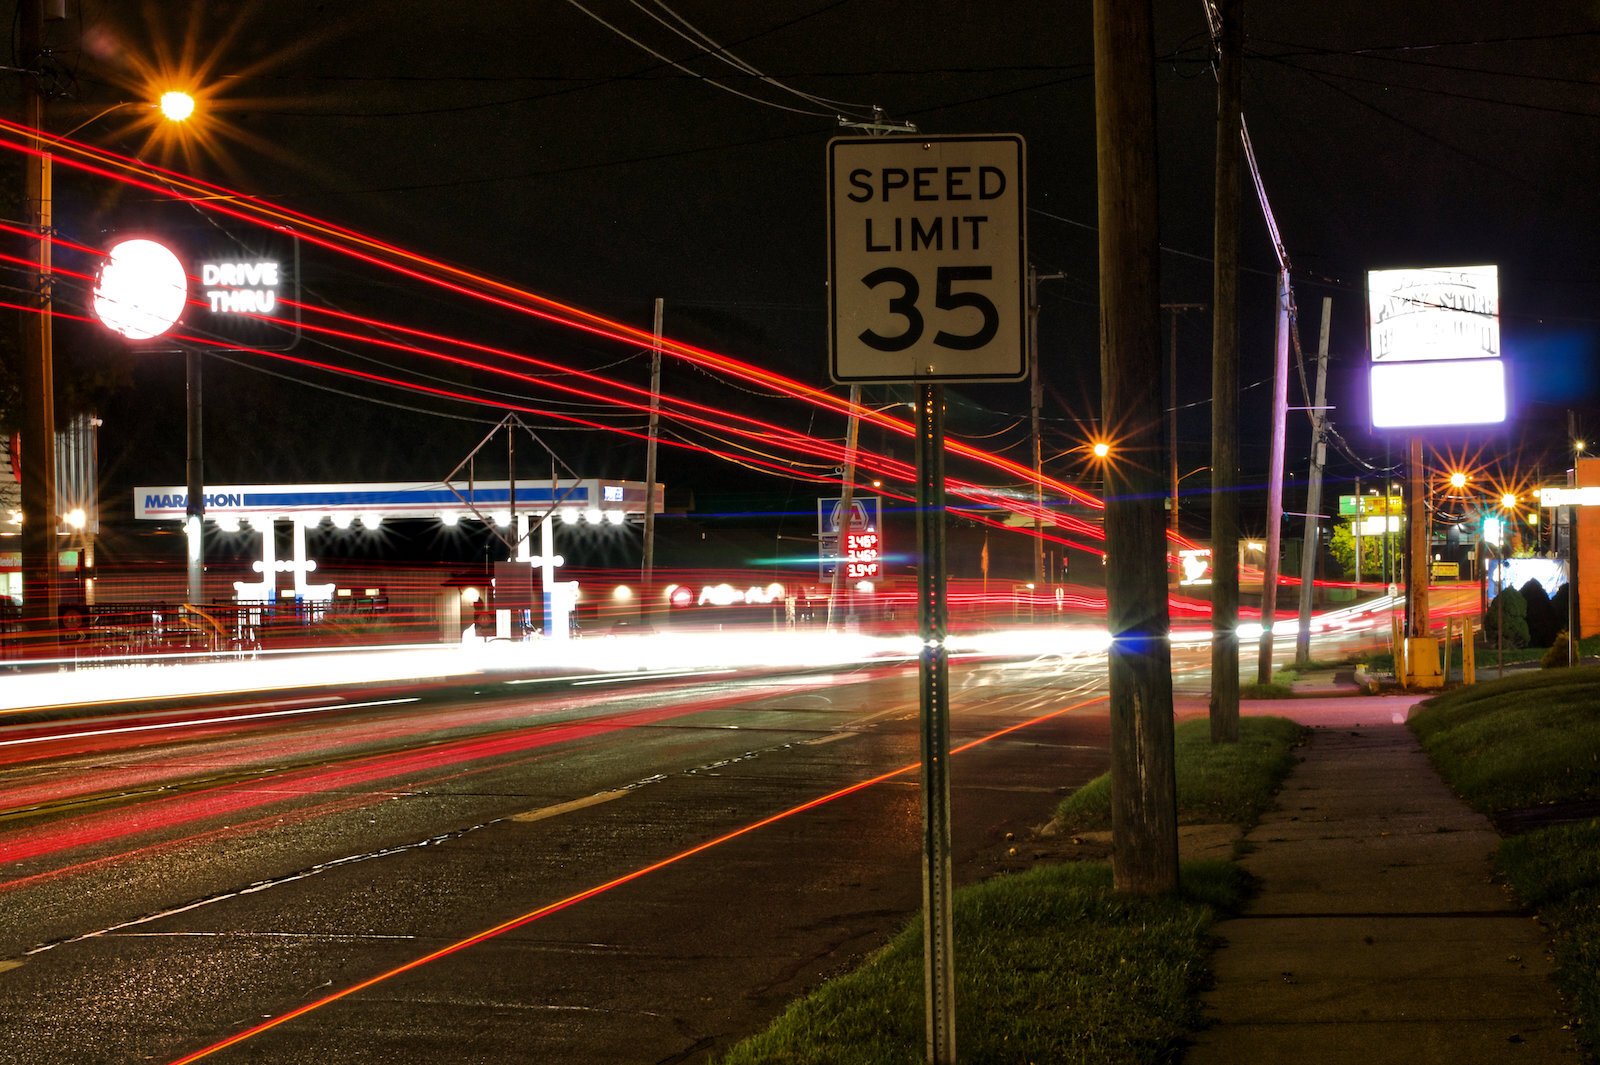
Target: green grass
point(1273, 689)
point(1051, 966)
point(1557, 870)
point(1218, 783)
point(1525, 741)
point(1520, 741)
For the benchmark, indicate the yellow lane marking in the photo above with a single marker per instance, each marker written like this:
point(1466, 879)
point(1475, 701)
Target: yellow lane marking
point(568, 807)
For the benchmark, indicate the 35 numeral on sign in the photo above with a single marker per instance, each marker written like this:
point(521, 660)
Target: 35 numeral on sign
point(945, 298)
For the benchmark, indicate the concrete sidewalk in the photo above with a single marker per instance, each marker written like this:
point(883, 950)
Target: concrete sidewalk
point(1378, 935)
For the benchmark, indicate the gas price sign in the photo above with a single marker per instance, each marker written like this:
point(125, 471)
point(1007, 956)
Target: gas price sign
point(863, 557)
point(926, 259)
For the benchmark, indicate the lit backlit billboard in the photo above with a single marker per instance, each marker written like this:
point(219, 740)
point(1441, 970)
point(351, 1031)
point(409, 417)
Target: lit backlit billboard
point(1435, 347)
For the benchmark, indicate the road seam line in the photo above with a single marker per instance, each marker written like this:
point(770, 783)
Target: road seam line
point(568, 807)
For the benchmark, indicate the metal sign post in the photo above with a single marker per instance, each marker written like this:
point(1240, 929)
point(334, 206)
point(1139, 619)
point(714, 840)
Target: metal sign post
point(926, 261)
point(938, 950)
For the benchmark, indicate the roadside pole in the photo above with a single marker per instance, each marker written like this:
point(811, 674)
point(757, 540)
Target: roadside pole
point(847, 490)
point(1224, 704)
point(1143, 793)
point(938, 948)
point(1173, 310)
point(194, 521)
point(1280, 418)
point(647, 575)
point(1308, 550)
point(1417, 537)
point(40, 591)
point(1035, 402)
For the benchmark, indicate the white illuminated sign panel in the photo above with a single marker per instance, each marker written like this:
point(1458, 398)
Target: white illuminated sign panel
point(1196, 564)
point(241, 287)
point(1430, 394)
point(1440, 313)
point(927, 258)
point(1570, 497)
point(1435, 346)
point(142, 289)
point(222, 288)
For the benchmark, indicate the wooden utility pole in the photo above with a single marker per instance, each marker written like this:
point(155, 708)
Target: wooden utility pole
point(1309, 545)
point(1173, 310)
point(40, 594)
point(1418, 535)
point(1143, 793)
point(847, 489)
point(647, 575)
point(1280, 428)
point(1225, 385)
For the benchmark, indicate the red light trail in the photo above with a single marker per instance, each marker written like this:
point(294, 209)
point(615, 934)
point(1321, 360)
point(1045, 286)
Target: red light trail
point(204, 195)
point(263, 789)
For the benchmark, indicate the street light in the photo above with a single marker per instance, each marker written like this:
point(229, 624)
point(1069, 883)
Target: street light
point(41, 520)
point(1508, 502)
point(176, 105)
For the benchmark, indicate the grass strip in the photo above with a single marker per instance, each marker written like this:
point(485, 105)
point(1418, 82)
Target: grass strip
point(1518, 742)
point(1051, 965)
point(1218, 783)
point(1557, 870)
point(1523, 742)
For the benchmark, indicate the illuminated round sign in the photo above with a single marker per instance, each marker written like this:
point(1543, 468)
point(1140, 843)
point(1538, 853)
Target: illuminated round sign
point(142, 290)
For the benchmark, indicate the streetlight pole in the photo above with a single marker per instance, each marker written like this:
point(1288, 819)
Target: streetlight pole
point(195, 498)
point(41, 596)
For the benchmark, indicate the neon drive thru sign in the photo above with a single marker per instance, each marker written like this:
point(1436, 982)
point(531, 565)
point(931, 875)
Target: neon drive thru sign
point(229, 292)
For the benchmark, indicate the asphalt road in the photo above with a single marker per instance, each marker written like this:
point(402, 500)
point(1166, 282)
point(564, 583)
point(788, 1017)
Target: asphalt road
point(172, 880)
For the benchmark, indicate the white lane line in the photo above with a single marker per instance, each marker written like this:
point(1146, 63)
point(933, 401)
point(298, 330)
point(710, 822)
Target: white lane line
point(820, 740)
point(201, 721)
point(568, 807)
point(627, 678)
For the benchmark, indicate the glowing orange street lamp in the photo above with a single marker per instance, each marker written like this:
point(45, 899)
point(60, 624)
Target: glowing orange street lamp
point(176, 105)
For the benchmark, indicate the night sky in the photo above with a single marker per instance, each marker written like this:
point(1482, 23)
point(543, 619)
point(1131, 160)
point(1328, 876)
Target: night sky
point(532, 143)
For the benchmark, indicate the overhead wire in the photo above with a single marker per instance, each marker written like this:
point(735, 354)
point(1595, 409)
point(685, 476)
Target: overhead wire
point(675, 64)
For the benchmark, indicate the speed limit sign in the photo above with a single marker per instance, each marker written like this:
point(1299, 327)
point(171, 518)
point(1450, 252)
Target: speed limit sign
point(927, 257)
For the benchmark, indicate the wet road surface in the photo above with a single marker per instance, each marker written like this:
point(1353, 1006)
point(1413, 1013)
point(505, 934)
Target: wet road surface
point(169, 882)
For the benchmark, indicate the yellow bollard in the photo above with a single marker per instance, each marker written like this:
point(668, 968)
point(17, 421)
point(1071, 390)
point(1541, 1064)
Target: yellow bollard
point(1449, 638)
point(1422, 663)
point(1469, 654)
point(1397, 646)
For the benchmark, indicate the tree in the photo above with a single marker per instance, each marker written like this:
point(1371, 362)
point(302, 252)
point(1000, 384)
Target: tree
point(1510, 606)
point(1342, 547)
point(1543, 624)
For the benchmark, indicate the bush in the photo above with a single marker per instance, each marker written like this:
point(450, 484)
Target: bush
point(1542, 621)
point(1515, 610)
point(1556, 657)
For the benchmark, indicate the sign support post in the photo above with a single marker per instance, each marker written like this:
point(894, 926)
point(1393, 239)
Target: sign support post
point(937, 937)
point(926, 267)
